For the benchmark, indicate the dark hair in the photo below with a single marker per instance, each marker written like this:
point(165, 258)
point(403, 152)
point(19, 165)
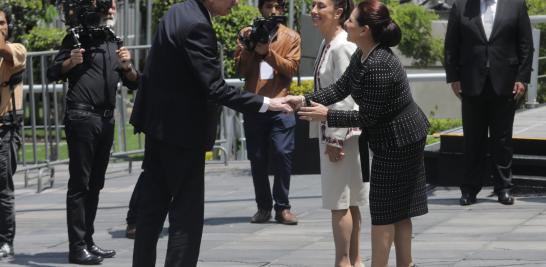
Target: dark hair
point(262, 2)
point(376, 15)
point(4, 9)
point(347, 6)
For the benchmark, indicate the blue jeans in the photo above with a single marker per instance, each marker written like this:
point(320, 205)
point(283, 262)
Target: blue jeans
point(261, 131)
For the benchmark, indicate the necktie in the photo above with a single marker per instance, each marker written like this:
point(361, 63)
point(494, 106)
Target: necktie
point(488, 18)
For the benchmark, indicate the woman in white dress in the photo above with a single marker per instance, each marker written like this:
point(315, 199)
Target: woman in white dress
point(343, 190)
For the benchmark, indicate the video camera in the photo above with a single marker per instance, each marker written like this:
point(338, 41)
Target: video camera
point(261, 30)
point(85, 17)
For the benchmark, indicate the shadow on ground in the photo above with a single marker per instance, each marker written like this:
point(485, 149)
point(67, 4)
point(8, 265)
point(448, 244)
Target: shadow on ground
point(50, 259)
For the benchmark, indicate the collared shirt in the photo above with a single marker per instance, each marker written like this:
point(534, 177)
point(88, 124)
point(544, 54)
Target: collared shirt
point(95, 81)
point(6, 71)
point(488, 8)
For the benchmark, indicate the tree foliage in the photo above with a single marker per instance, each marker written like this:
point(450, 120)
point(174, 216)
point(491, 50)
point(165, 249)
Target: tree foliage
point(227, 29)
point(417, 42)
point(25, 15)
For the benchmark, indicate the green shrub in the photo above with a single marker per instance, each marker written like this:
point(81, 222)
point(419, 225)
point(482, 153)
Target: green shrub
point(417, 42)
point(302, 88)
point(439, 125)
point(25, 16)
point(42, 38)
point(227, 29)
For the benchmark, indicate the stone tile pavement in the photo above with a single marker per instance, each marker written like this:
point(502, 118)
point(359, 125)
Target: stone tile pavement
point(484, 234)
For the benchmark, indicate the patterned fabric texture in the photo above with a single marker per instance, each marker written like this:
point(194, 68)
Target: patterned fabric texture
point(396, 129)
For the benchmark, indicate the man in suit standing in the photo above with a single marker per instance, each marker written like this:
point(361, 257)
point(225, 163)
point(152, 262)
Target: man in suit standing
point(268, 69)
point(488, 54)
point(181, 74)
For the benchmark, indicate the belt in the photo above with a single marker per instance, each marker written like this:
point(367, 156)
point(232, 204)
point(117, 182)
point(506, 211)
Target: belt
point(105, 113)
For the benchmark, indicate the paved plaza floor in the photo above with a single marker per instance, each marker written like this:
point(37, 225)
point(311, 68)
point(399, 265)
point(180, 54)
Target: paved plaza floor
point(484, 234)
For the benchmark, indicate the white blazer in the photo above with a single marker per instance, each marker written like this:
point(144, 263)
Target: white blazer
point(332, 64)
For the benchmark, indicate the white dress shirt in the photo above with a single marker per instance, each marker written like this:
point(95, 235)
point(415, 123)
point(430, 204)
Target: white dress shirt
point(488, 8)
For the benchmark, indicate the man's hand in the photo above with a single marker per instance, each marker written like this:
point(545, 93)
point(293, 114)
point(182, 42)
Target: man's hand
point(279, 104)
point(295, 101)
point(76, 56)
point(456, 87)
point(262, 49)
point(519, 90)
point(125, 58)
point(243, 33)
point(334, 153)
point(316, 112)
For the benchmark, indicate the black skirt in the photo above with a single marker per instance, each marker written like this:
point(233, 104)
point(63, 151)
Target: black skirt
point(397, 183)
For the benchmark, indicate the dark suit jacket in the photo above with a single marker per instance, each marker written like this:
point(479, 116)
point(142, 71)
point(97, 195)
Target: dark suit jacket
point(181, 75)
point(509, 49)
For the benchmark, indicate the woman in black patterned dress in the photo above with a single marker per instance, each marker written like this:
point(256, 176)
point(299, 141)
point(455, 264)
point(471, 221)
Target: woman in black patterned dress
point(395, 126)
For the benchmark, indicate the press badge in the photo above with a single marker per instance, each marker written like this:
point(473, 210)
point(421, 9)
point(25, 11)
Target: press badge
point(266, 71)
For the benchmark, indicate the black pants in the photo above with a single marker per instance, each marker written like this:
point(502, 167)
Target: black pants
point(483, 113)
point(262, 131)
point(89, 138)
point(9, 144)
point(132, 213)
point(172, 183)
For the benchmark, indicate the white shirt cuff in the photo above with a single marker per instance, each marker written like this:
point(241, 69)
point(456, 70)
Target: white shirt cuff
point(265, 105)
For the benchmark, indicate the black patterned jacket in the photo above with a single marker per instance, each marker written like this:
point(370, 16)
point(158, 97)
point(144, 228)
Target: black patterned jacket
point(388, 115)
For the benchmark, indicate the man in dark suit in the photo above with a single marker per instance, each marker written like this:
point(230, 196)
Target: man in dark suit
point(488, 54)
point(181, 75)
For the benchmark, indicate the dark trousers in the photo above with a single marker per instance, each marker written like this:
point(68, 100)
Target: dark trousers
point(132, 213)
point(483, 113)
point(261, 131)
point(89, 138)
point(172, 183)
point(9, 144)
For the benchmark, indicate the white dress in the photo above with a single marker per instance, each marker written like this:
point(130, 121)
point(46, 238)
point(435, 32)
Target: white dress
point(342, 184)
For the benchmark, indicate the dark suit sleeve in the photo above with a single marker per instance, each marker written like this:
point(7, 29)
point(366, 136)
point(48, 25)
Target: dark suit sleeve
point(201, 52)
point(451, 45)
point(525, 45)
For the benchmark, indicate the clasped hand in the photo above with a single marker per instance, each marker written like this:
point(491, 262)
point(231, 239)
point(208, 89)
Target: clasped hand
point(291, 103)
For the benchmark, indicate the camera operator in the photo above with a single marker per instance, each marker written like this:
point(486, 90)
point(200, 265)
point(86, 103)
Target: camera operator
point(93, 72)
point(12, 62)
point(268, 71)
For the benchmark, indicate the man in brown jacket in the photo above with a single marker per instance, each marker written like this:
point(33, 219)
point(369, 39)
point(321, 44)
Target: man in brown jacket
point(268, 71)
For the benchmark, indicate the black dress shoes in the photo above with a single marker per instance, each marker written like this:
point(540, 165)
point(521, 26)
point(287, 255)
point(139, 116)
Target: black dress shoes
point(467, 199)
point(104, 253)
point(83, 257)
point(505, 197)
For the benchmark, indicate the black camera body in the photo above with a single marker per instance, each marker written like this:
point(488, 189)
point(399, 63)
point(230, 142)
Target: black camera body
point(261, 31)
point(84, 13)
point(84, 18)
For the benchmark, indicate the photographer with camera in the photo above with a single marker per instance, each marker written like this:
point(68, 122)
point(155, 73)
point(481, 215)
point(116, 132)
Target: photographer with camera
point(94, 62)
point(267, 57)
point(12, 63)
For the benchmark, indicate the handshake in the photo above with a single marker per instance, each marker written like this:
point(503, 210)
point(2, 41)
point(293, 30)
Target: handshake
point(307, 110)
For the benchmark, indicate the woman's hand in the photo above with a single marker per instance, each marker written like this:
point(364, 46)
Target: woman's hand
point(316, 112)
point(334, 153)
